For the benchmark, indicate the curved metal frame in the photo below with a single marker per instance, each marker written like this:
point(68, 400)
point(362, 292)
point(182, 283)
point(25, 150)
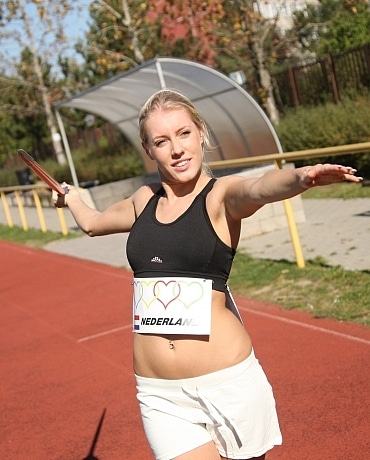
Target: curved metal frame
point(238, 126)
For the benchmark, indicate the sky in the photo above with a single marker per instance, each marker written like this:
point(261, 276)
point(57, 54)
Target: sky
point(75, 27)
point(77, 24)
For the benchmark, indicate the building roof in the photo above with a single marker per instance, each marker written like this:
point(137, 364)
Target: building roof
point(238, 126)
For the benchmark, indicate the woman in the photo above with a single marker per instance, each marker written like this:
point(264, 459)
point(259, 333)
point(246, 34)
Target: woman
point(202, 393)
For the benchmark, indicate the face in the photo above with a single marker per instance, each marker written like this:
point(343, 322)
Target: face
point(175, 143)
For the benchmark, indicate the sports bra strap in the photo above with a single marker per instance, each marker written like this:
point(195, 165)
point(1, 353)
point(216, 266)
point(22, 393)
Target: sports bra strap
point(208, 187)
point(204, 192)
point(160, 192)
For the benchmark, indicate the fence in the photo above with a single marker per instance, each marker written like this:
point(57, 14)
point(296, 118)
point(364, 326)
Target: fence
point(37, 196)
point(325, 80)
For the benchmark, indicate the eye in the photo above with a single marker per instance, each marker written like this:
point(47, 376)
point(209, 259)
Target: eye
point(185, 133)
point(160, 142)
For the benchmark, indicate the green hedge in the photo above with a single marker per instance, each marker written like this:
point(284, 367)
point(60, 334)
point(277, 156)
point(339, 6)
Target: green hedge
point(327, 126)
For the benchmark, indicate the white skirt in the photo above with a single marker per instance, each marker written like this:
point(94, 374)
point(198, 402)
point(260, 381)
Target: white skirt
point(233, 407)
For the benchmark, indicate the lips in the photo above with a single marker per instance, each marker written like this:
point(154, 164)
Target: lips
point(181, 163)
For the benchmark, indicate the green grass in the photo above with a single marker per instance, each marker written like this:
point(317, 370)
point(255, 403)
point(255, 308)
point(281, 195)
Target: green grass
point(322, 290)
point(32, 237)
point(344, 190)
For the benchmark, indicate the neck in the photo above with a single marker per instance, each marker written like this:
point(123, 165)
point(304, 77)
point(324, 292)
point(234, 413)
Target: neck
point(178, 189)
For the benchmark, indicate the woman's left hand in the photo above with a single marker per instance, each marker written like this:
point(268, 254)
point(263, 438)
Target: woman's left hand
point(326, 174)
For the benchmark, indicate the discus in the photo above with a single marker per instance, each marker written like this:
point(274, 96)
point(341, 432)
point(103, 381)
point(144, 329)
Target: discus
point(41, 172)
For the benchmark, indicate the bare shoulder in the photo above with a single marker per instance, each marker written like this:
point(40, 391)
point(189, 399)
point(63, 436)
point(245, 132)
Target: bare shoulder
point(226, 185)
point(232, 194)
point(142, 196)
point(218, 198)
point(229, 180)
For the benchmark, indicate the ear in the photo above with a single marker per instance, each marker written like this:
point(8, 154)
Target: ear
point(202, 137)
point(202, 133)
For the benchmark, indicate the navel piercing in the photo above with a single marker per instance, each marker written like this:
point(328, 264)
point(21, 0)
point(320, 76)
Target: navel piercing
point(171, 345)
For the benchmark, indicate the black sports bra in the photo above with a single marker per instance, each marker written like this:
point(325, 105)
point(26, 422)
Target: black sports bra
point(188, 246)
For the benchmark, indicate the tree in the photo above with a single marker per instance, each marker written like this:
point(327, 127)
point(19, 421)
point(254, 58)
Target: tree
point(118, 38)
point(228, 35)
point(10, 130)
point(332, 26)
point(21, 108)
point(348, 29)
point(36, 28)
point(188, 28)
point(247, 40)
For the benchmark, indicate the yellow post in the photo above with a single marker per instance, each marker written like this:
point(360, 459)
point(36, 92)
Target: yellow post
point(6, 210)
point(21, 210)
point(62, 221)
point(292, 227)
point(40, 212)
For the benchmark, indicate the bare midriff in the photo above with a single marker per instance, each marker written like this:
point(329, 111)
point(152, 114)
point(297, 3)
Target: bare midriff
point(186, 356)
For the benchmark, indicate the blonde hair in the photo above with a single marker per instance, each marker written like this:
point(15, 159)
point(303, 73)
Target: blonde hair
point(173, 100)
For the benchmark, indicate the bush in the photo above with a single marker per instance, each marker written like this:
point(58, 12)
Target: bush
point(327, 126)
point(8, 177)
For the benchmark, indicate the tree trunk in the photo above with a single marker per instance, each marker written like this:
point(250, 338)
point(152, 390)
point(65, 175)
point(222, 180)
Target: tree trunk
point(55, 137)
point(266, 83)
point(139, 57)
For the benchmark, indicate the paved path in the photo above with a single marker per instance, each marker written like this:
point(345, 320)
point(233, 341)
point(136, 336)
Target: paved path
point(335, 230)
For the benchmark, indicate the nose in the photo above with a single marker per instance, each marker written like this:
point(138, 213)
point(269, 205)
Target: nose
point(177, 148)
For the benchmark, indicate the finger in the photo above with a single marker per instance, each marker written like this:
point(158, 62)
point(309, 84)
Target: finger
point(54, 196)
point(66, 187)
point(353, 178)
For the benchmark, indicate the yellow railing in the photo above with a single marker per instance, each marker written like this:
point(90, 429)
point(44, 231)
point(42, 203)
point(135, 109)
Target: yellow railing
point(29, 195)
point(35, 194)
point(291, 156)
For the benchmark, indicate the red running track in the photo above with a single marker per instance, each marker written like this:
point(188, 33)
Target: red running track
point(67, 388)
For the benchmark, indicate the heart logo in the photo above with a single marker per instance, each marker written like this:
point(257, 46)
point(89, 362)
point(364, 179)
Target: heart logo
point(192, 291)
point(166, 292)
point(142, 293)
point(138, 293)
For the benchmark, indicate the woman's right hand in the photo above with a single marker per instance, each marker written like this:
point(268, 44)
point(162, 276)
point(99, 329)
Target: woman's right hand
point(60, 201)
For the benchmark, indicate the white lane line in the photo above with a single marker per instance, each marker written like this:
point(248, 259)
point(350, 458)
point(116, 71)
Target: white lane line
point(102, 334)
point(308, 326)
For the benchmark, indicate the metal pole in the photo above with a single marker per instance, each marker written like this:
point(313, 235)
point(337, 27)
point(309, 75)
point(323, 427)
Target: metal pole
point(40, 212)
point(292, 228)
point(22, 214)
point(160, 74)
point(6, 210)
point(67, 149)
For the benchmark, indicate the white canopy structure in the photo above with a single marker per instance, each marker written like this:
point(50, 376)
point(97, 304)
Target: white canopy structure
point(238, 126)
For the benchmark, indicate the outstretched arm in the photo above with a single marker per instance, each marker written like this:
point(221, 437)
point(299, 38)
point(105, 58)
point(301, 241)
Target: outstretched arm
point(117, 218)
point(246, 196)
